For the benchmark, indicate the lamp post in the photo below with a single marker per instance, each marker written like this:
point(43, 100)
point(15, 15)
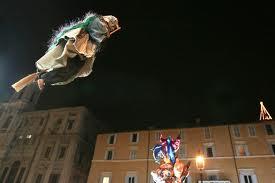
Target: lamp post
point(200, 164)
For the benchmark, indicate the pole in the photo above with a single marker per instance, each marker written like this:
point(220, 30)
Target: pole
point(233, 152)
point(147, 165)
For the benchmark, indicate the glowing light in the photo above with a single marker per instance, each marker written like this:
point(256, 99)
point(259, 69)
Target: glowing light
point(200, 162)
point(29, 136)
point(264, 114)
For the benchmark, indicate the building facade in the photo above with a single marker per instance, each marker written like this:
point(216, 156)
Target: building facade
point(241, 153)
point(46, 146)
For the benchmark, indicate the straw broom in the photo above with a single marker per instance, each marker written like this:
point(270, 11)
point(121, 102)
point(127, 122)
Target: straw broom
point(19, 85)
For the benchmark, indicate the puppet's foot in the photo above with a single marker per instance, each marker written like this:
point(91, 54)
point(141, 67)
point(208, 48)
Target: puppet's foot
point(41, 84)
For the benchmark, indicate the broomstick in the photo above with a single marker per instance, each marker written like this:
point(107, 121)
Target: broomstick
point(22, 83)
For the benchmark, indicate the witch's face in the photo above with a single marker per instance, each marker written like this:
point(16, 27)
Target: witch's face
point(112, 23)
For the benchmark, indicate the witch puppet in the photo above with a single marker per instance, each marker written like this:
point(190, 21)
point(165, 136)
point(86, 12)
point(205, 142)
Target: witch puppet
point(71, 52)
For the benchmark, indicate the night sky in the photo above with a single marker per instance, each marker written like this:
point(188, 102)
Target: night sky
point(172, 61)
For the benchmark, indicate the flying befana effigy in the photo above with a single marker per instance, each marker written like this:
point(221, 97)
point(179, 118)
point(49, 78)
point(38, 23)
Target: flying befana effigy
point(71, 51)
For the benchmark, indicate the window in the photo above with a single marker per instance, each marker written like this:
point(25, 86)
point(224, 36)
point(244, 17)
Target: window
point(39, 178)
point(71, 120)
point(24, 123)
point(20, 176)
point(273, 148)
point(70, 124)
point(57, 125)
point(13, 172)
point(109, 155)
point(1, 112)
point(62, 152)
point(106, 180)
point(20, 95)
point(209, 149)
point(47, 152)
point(5, 171)
point(212, 177)
point(41, 121)
point(78, 155)
point(54, 178)
point(207, 134)
point(21, 124)
point(131, 177)
point(134, 138)
point(269, 129)
point(77, 179)
point(247, 176)
point(111, 139)
point(242, 149)
point(248, 179)
point(236, 131)
point(72, 114)
point(209, 152)
point(106, 177)
point(252, 131)
point(7, 122)
point(133, 154)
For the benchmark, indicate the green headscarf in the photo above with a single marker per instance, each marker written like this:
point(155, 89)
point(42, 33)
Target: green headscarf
point(84, 24)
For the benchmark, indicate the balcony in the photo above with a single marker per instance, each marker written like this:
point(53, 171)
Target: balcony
point(214, 181)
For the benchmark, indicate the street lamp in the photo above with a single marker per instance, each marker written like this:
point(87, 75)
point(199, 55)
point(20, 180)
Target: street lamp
point(200, 164)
